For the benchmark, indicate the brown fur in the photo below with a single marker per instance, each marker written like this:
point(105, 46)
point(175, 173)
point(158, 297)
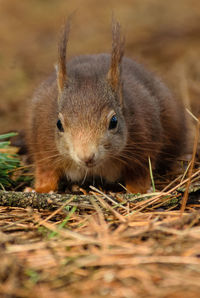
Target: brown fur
point(91, 90)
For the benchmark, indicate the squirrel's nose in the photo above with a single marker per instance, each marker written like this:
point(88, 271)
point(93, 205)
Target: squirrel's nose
point(89, 160)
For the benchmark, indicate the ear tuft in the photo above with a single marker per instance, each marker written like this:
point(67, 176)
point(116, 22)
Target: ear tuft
point(117, 53)
point(61, 65)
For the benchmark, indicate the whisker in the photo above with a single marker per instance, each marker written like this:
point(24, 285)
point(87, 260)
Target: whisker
point(84, 178)
point(100, 174)
point(93, 179)
point(48, 157)
point(132, 159)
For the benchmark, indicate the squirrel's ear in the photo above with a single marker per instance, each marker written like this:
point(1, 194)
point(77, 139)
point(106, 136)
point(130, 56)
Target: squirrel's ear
point(117, 53)
point(61, 68)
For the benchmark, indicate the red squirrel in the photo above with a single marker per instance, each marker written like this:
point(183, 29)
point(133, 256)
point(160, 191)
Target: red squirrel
point(103, 116)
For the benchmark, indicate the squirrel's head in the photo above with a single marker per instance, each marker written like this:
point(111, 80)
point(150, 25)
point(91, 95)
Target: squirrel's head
point(90, 125)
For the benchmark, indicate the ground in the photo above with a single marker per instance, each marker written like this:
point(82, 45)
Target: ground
point(141, 246)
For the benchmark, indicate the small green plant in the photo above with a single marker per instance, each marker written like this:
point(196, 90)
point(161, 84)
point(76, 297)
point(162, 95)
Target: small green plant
point(8, 161)
point(65, 221)
point(33, 275)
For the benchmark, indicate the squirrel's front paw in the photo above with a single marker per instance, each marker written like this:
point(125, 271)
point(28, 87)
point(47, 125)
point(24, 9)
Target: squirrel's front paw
point(29, 189)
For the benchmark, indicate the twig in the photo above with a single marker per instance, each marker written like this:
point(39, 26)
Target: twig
point(42, 201)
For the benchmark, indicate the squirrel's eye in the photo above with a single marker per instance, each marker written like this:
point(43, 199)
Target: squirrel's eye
point(59, 125)
point(113, 122)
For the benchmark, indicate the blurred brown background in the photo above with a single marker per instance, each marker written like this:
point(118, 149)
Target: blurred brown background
point(164, 35)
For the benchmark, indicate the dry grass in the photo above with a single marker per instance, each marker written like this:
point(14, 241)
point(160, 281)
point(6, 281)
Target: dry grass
point(129, 248)
point(120, 246)
point(105, 245)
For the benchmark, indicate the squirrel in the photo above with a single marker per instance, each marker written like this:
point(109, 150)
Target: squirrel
point(103, 115)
